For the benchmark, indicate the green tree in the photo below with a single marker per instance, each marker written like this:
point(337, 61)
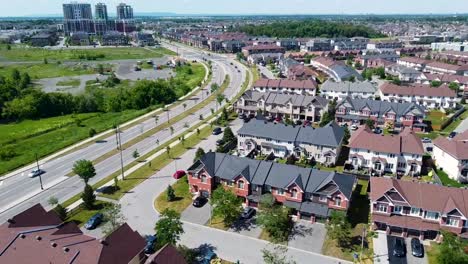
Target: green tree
point(172, 130)
point(214, 87)
point(85, 169)
point(135, 154)
point(275, 220)
point(92, 132)
point(224, 115)
point(170, 193)
point(339, 229)
point(8, 47)
point(370, 123)
point(100, 69)
point(219, 99)
point(88, 197)
point(46, 61)
point(451, 250)
point(198, 154)
point(276, 256)
point(61, 212)
point(454, 86)
point(168, 151)
point(169, 228)
point(185, 106)
point(291, 159)
point(436, 83)
point(228, 135)
point(347, 136)
point(113, 218)
point(226, 205)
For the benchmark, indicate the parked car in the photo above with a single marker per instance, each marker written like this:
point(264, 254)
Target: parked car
point(178, 174)
point(206, 256)
point(94, 221)
point(278, 119)
point(219, 142)
point(150, 244)
point(306, 123)
point(200, 201)
point(35, 173)
point(217, 131)
point(298, 122)
point(399, 248)
point(242, 116)
point(378, 130)
point(417, 248)
point(354, 127)
point(248, 213)
point(452, 135)
point(426, 140)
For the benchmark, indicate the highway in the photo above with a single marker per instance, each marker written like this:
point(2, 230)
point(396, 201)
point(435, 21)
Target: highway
point(19, 192)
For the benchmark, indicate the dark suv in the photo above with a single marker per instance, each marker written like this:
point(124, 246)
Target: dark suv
point(399, 247)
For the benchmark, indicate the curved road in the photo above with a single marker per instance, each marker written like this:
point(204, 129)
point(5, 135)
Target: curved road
point(21, 192)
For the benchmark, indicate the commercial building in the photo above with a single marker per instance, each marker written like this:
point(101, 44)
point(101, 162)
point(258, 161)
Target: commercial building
point(322, 145)
point(77, 17)
point(312, 194)
point(415, 209)
point(379, 154)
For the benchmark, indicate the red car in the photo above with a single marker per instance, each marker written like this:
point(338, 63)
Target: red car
point(178, 174)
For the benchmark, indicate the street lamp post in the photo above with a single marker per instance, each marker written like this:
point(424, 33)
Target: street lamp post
point(121, 157)
point(40, 177)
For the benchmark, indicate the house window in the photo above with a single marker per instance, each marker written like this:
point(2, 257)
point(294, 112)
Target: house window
point(280, 191)
point(323, 198)
point(203, 179)
point(268, 188)
point(240, 185)
point(398, 209)
point(432, 215)
point(452, 222)
point(389, 166)
point(415, 211)
point(294, 193)
point(338, 201)
point(391, 155)
point(381, 208)
point(229, 183)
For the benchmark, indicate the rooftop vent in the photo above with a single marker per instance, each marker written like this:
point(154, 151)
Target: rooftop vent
point(11, 221)
point(53, 244)
point(66, 249)
point(103, 242)
point(38, 238)
point(23, 236)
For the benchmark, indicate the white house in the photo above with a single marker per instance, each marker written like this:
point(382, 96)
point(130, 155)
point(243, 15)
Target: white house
point(451, 155)
point(342, 90)
point(380, 154)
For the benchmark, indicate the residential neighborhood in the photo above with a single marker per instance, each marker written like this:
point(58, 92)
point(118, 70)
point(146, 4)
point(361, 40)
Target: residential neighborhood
point(194, 132)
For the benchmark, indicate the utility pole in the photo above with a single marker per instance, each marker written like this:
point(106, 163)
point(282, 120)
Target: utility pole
point(121, 157)
point(40, 173)
point(167, 111)
point(117, 137)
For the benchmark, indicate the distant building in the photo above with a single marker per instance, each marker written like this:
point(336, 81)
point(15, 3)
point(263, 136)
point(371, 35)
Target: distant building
point(262, 49)
point(452, 156)
point(338, 71)
point(43, 39)
point(101, 11)
point(308, 87)
point(125, 22)
point(124, 11)
point(102, 23)
point(384, 44)
point(80, 39)
point(450, 46)
point(77, 17)
point(403, 73)
point(114, 38)
point(288, 44)
point(144, 39)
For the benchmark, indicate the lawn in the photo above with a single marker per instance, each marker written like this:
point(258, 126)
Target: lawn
point(195, 78)
point(49, 135)
point(447, 181)
point(183, 197)
point(436, 118)
point(432, 252)
point(218, 223)
point(80, 215)
point(25, 53)
point(50, 70)
point(70, 82)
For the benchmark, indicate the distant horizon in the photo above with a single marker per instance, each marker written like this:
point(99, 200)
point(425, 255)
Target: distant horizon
point(53, 8)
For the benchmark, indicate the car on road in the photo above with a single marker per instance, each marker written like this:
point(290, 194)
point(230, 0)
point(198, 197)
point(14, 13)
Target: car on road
point(150, 246)
point(426, 140)
point(217, 131)
point(247, 213)
point(452, 135)
point(354, 127)
point(219, 142)
point(200, 201)
point(35, 173)
point(178, 174)
point(399, 247)
point(94, 221)
point(417, 249)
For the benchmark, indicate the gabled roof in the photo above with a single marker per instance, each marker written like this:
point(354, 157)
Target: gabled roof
point(382, 107)
point(166, 255)
point(330, 135)
point(457, 146)
point(35, 216)
point(283, 83)
point(417, 90)
point(348, 87)
point(121, 246)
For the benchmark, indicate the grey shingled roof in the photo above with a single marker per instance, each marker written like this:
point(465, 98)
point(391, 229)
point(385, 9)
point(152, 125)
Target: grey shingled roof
point(234, 166)
point(382, 107)
point(282, 175)
point(281, 99)
point(271, 130)
point(330, 135)
point(262, 173)
point(349, 87)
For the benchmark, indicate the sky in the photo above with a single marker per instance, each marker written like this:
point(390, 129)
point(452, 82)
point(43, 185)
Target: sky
point(49, 7)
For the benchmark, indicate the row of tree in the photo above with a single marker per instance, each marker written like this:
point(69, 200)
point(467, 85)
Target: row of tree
point(310, 28)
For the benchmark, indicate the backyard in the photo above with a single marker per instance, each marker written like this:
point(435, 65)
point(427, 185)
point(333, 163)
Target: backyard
point(50, 70)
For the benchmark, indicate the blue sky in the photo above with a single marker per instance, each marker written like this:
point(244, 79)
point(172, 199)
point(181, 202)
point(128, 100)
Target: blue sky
point(35, 7)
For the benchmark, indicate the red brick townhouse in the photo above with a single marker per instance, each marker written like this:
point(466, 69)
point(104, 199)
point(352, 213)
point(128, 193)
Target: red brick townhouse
point(311, 193)
point(407, 208)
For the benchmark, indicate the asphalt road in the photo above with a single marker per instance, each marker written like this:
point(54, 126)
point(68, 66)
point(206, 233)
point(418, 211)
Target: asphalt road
point(20, 192)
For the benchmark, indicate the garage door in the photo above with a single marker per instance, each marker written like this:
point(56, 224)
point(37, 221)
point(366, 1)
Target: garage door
point(397, 231)
point(431, 235)
point(413, 233)
point(305, 217)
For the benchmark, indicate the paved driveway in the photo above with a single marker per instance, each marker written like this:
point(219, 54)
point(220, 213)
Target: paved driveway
point(462, 127)
point(410, 259)
point(246, 227)
point(196, 215)
point(380, 248)
point(308, 236)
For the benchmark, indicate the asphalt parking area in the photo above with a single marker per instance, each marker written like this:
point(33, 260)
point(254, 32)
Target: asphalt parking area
point(308, 236)
point(410, 259)
point(196, 215)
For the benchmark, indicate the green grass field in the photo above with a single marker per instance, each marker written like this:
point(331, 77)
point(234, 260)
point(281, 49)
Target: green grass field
point(194, 79)
point(49, 135)
point(50, 70)
point(25, 53)
point(69, 82)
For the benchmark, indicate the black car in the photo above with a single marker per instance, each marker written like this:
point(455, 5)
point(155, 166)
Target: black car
point(242, 116)
point(399, 248)
point(217, 131)
point(417, 249)
point(219, 142)
point(94, 221)
point(452, 135)
point(150, 244)
point(248, 213)
point(378, 131)
point(199, 201)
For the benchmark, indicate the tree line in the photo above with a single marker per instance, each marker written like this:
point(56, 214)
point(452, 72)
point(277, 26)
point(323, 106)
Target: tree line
point(20, 100)
point(310, 28)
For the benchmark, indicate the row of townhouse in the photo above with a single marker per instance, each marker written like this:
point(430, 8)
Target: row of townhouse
point(415, 209)
point(462, 81)
point(356, 111)
point(451, 155)
point(434, 67)
point(258, 49)
point(356, 43)
point(282, 106)
point(379, 154)
point(294, 70)
point(340, 90)
point(305, 87)
point(311, 194)
point(424, 95)
point(338, 71)
point(322, 144)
